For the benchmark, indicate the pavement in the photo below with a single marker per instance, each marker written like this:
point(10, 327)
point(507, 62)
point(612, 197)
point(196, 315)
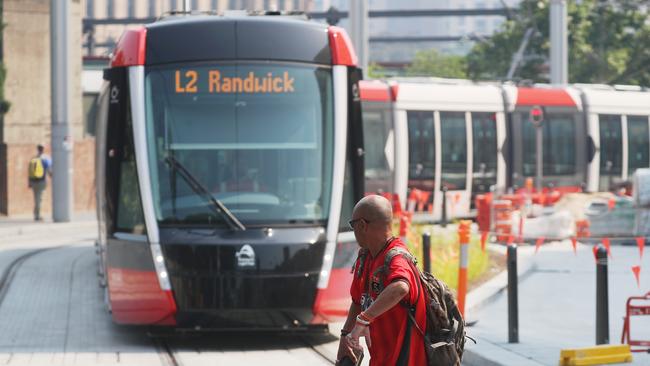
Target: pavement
point(53, 313)
point(557, 309)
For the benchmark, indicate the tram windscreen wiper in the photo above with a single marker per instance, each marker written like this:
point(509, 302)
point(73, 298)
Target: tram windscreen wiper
point(197, 187)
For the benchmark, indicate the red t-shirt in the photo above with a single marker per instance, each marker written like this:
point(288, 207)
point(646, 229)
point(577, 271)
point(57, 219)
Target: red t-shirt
point(387, 331)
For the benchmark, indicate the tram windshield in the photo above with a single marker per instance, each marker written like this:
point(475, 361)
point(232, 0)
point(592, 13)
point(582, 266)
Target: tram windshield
point(258, 137)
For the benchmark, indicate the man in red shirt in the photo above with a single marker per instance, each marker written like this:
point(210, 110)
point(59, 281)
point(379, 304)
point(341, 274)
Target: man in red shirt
point(381, 300)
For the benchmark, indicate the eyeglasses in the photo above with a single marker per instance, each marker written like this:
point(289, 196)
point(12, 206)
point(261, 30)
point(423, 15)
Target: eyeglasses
point(353, 222)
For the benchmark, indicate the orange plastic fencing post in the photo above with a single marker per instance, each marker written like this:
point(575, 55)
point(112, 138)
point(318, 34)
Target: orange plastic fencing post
point(463, 238)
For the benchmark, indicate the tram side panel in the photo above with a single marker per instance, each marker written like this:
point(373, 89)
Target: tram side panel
point(133, 287)
point(333, 299)
point(619, 134)
point(564, 138)
point(448, 144)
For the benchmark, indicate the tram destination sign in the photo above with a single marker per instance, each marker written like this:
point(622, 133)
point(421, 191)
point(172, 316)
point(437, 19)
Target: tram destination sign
point(213, 81)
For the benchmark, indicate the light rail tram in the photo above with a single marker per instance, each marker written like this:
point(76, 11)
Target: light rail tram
point(229, 157)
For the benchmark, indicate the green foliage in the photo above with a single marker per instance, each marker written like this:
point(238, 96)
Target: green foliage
point(609, 42)
point(375, 71)
point(445, 254)
point(433, 63)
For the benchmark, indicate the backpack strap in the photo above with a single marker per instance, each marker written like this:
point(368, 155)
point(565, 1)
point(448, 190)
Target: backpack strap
point(360, 262)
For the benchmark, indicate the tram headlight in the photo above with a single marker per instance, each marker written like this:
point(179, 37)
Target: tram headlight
point(159, 264)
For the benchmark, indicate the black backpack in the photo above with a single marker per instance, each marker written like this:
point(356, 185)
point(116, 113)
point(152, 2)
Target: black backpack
point(444, 335)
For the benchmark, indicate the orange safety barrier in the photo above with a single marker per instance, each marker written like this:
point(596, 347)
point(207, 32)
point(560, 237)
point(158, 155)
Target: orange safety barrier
point(483, 202)
point(418, 200)
point(405, 224)
point(582, 229)
point(502, 219)
point(633, 307)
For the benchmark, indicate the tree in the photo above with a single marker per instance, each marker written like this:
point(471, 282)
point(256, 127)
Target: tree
point(375, 71)
point(433, 63)
point(609, 42)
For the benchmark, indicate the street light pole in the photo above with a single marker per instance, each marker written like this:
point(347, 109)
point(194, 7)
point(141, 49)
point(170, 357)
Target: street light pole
point(61, 137)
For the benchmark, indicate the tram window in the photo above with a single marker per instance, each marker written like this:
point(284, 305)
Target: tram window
point(375, 135)
point(559, 145)
point(89, 101)
point(559, 141)
point(528, 147)
point(347, 203)
point(454, 150)
point(421, 146)
point(266, 154)
point(637, 136)
point(129, 208)
point(484, 144)
point(611, 149)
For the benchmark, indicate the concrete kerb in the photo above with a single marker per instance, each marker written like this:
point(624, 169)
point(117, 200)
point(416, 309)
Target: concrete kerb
point(488, 291)
point(20, 230)
point(484, 353)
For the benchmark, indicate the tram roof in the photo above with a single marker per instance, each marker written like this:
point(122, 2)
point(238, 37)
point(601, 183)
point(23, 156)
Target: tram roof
point(446, 94)
point(616, 99)
point(233, 37)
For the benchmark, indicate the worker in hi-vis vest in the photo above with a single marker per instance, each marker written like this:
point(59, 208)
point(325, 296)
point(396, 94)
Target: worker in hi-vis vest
point(39, 167)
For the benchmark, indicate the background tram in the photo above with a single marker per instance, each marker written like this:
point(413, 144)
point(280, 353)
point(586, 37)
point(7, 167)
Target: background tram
point(229, 157)
point(428, 133)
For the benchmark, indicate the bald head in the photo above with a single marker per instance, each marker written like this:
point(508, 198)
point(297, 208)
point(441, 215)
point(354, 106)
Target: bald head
point(374, 208)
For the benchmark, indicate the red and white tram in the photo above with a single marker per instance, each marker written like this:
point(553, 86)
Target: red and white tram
point(425, 135)
point(229, 157)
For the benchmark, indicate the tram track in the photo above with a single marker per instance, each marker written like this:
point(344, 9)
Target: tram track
point(165, 352)
point(169, 354)
point(10, 271)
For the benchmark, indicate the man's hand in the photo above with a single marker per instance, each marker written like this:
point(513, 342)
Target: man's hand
point(346, 349)
point(359, 331)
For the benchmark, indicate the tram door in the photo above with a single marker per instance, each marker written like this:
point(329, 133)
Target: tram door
point(484, 152)
point(623, 148)
point(455, 168)
point(379, 148)
point(439, 161)
point(564, 151)
point(610, 129)
point(423, 178)
point(638, 144)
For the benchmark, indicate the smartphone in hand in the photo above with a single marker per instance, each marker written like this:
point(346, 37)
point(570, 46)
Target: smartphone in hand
point(347, 361)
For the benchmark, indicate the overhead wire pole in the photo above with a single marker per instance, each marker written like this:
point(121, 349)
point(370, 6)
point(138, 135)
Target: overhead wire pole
point(61, 137)
point(519, 55)
point(559, 43)
point(359, 30)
